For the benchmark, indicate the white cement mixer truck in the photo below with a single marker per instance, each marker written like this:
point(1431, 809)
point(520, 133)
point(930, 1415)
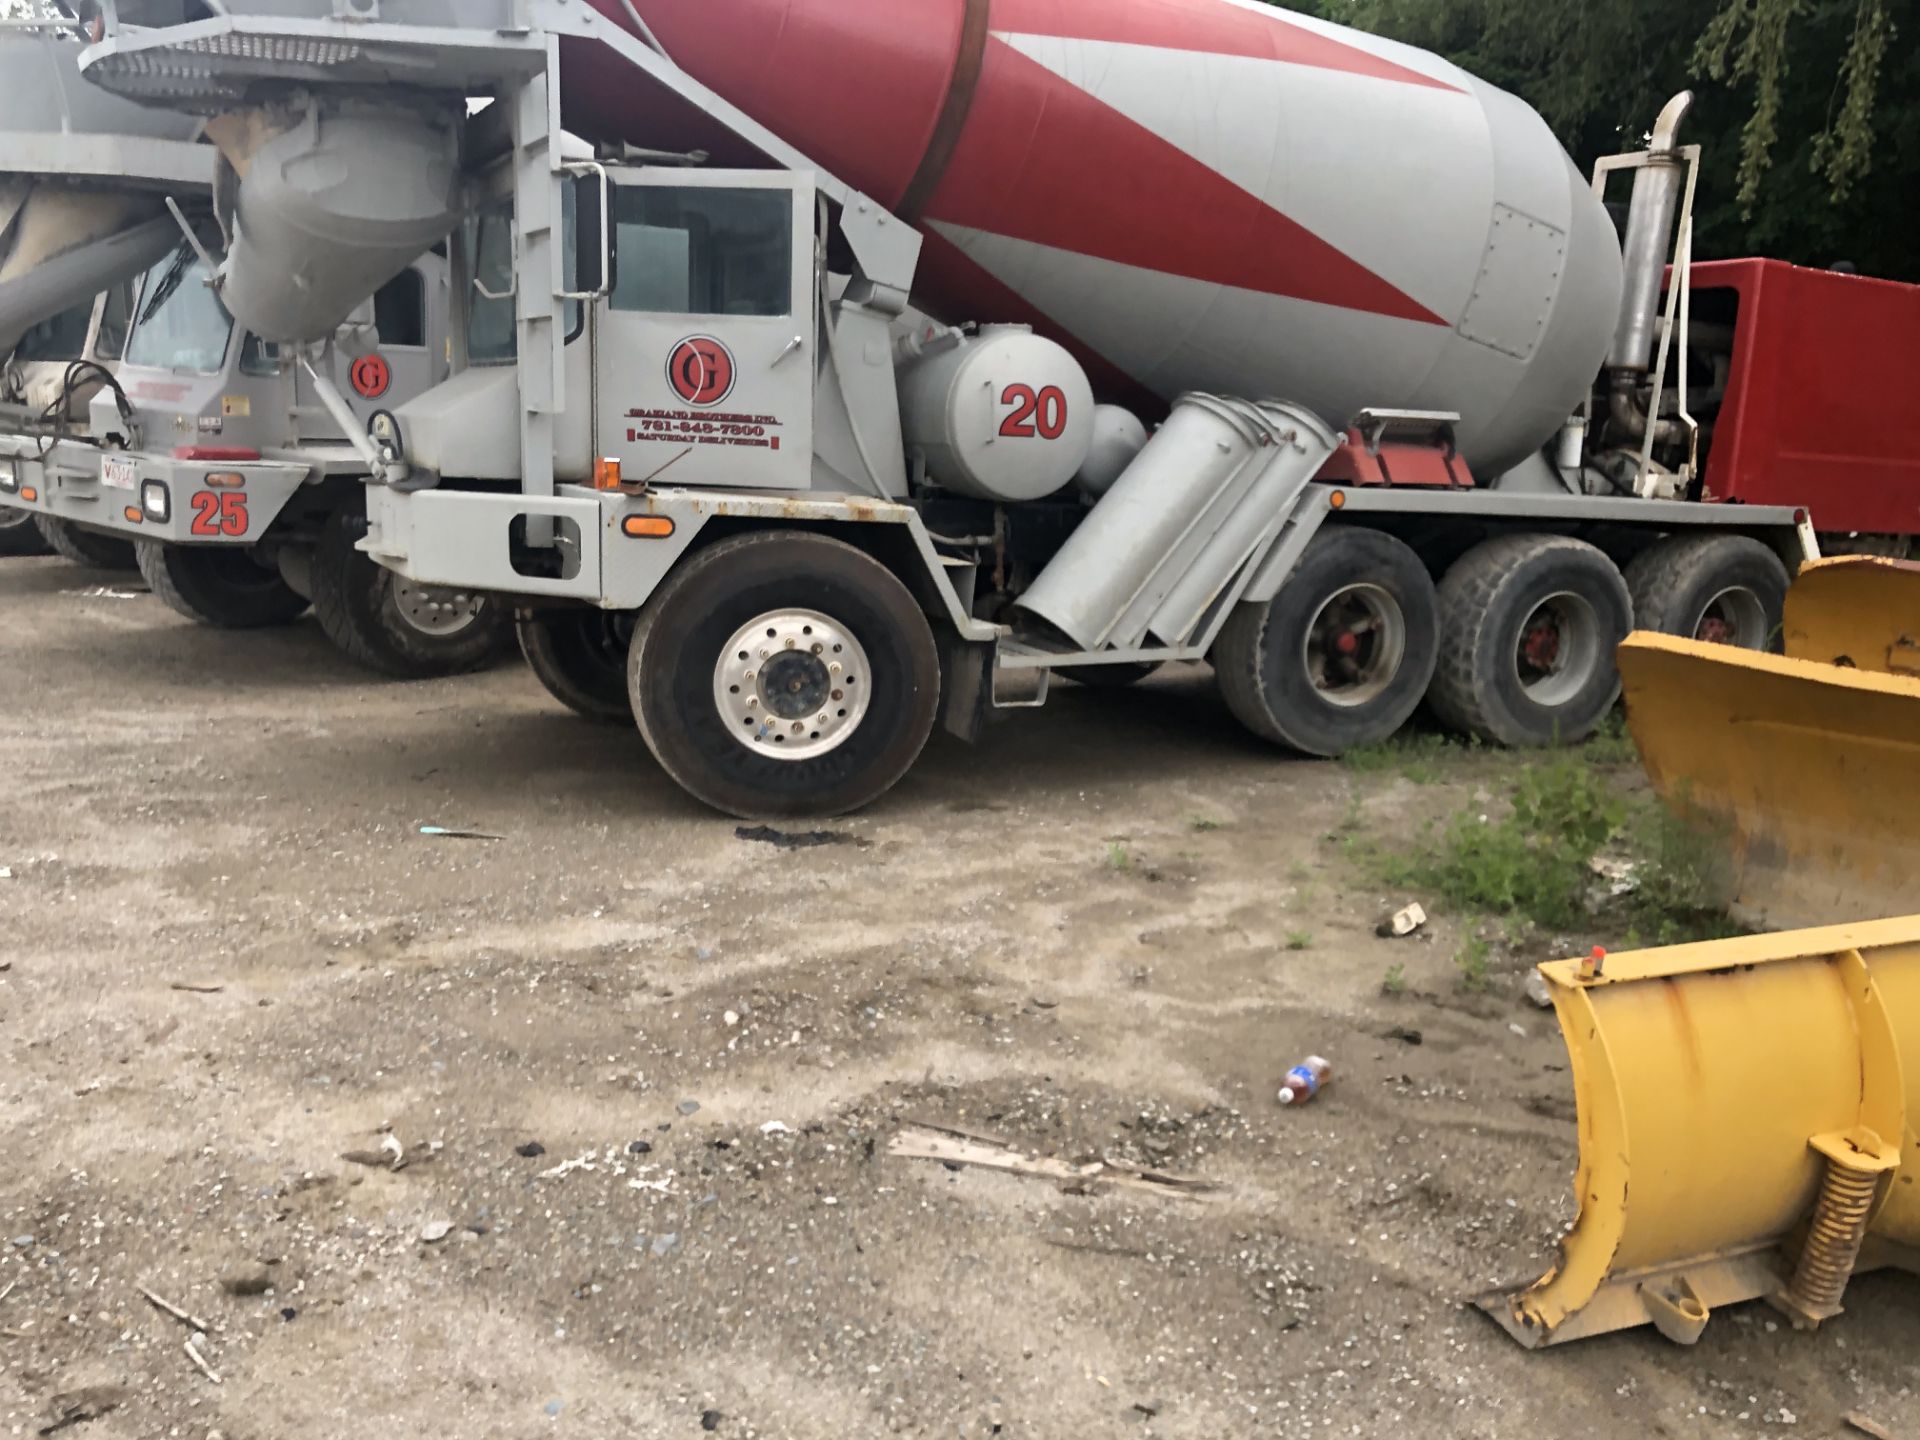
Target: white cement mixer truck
point(1338, 382)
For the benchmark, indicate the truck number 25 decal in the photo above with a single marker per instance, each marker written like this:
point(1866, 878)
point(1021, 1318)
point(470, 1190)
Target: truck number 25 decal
point(216, 513)
point(1041, 412)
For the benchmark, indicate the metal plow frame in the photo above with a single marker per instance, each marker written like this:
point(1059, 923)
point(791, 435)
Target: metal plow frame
point(1745, 1118)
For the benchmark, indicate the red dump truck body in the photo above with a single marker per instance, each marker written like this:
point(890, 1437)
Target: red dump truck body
point(1823, 401)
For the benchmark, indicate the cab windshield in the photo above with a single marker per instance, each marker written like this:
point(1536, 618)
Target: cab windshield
point(181, 324)
point(64, 337)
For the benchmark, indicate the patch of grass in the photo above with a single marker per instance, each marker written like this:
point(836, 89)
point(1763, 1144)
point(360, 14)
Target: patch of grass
point(1681, 876)
point(1535, 862)
point(1612, 744)
point(1119, 858)
point(1203, 826)
point(1419, 756)
point(1474, 961)
point(1299, 940)
point(1394, 982)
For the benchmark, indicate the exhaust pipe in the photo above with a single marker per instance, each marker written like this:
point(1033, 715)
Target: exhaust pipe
point(1649, 240)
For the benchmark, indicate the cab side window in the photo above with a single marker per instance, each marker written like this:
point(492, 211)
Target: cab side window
point(400, 311)
point(702, 251)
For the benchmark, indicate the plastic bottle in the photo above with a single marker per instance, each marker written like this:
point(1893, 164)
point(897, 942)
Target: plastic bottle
point(1304, 1081)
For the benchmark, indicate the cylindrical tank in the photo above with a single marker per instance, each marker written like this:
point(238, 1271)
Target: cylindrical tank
point(1198, 195)
point(1118, 439)
point(1003, 415)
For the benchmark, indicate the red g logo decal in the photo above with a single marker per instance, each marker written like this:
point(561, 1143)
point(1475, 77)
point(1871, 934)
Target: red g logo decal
point(701, 371)
point(372, 376)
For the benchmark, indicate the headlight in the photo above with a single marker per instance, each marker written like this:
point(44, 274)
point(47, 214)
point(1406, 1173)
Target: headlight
point(156, 502)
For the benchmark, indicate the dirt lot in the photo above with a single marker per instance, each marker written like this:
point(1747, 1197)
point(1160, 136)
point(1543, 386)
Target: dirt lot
point(1110, 930)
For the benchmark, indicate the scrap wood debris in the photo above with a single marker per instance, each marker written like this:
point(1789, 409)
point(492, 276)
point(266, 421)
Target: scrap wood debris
point(953, 1147)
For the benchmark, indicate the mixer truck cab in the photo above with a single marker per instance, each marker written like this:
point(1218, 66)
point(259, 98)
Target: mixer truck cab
point(747, 497)
point(53, 374)
point(215, 464)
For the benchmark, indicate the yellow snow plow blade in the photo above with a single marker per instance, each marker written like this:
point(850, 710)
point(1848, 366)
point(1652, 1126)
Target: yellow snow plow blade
point(1811, 769)
point(1746, 1113)
point(1859, 613)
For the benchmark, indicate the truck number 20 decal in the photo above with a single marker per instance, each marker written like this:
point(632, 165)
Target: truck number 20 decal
point(1043, 413)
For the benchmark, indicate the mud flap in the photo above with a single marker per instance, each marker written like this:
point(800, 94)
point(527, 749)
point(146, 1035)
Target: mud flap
point(1744, 1113)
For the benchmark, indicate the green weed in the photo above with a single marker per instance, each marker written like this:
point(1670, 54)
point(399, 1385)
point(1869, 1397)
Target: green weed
point(1299, 940)
point(1474, 961)
point(1394, 982)
point(1119, 858)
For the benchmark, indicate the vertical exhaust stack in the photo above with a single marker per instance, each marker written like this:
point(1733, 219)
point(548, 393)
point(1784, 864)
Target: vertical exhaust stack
point(1648, 246)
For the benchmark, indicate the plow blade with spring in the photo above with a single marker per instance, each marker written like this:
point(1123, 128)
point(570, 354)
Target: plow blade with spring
point(1746, 1111)
point(1747, 1107)
point(1808, 762)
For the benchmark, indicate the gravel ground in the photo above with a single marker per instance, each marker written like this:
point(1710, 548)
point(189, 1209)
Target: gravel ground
point(643, 1075)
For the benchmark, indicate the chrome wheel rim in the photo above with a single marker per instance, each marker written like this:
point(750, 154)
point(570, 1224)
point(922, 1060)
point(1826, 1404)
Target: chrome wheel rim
point(792, 685)
point(436, 611)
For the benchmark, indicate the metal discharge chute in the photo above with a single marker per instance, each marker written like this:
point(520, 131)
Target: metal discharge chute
point(84, 180)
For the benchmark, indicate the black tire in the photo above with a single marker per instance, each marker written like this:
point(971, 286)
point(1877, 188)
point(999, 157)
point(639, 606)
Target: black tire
point(219, 586)
point(85, 547)
point(581, 657)
point(365, 610)
point(1109, 677)
point(1529, 625)
point(19, 535)
point(689, 629)
point(1722, 588)
point(1342, 656)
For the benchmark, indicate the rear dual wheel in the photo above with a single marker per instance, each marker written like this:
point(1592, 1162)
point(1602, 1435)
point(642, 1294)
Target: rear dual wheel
point(1722, 589)
point(1529, 625)
point(1342, 655)
point(778, 675)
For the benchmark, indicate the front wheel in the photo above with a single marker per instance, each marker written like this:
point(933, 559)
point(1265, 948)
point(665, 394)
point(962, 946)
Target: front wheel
point(1341, 657)
point(581, 657)
point(19, 535)
point(221, 587)
point(85, 547)
point(784, 674)
point(392, 625)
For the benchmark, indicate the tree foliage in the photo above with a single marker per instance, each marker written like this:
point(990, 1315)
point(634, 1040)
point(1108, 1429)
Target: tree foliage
point(1809, 110)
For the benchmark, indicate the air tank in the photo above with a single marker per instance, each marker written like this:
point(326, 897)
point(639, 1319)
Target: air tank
point(1193, 195)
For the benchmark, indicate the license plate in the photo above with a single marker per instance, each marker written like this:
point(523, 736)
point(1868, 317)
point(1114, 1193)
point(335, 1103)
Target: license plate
point(120, 474)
